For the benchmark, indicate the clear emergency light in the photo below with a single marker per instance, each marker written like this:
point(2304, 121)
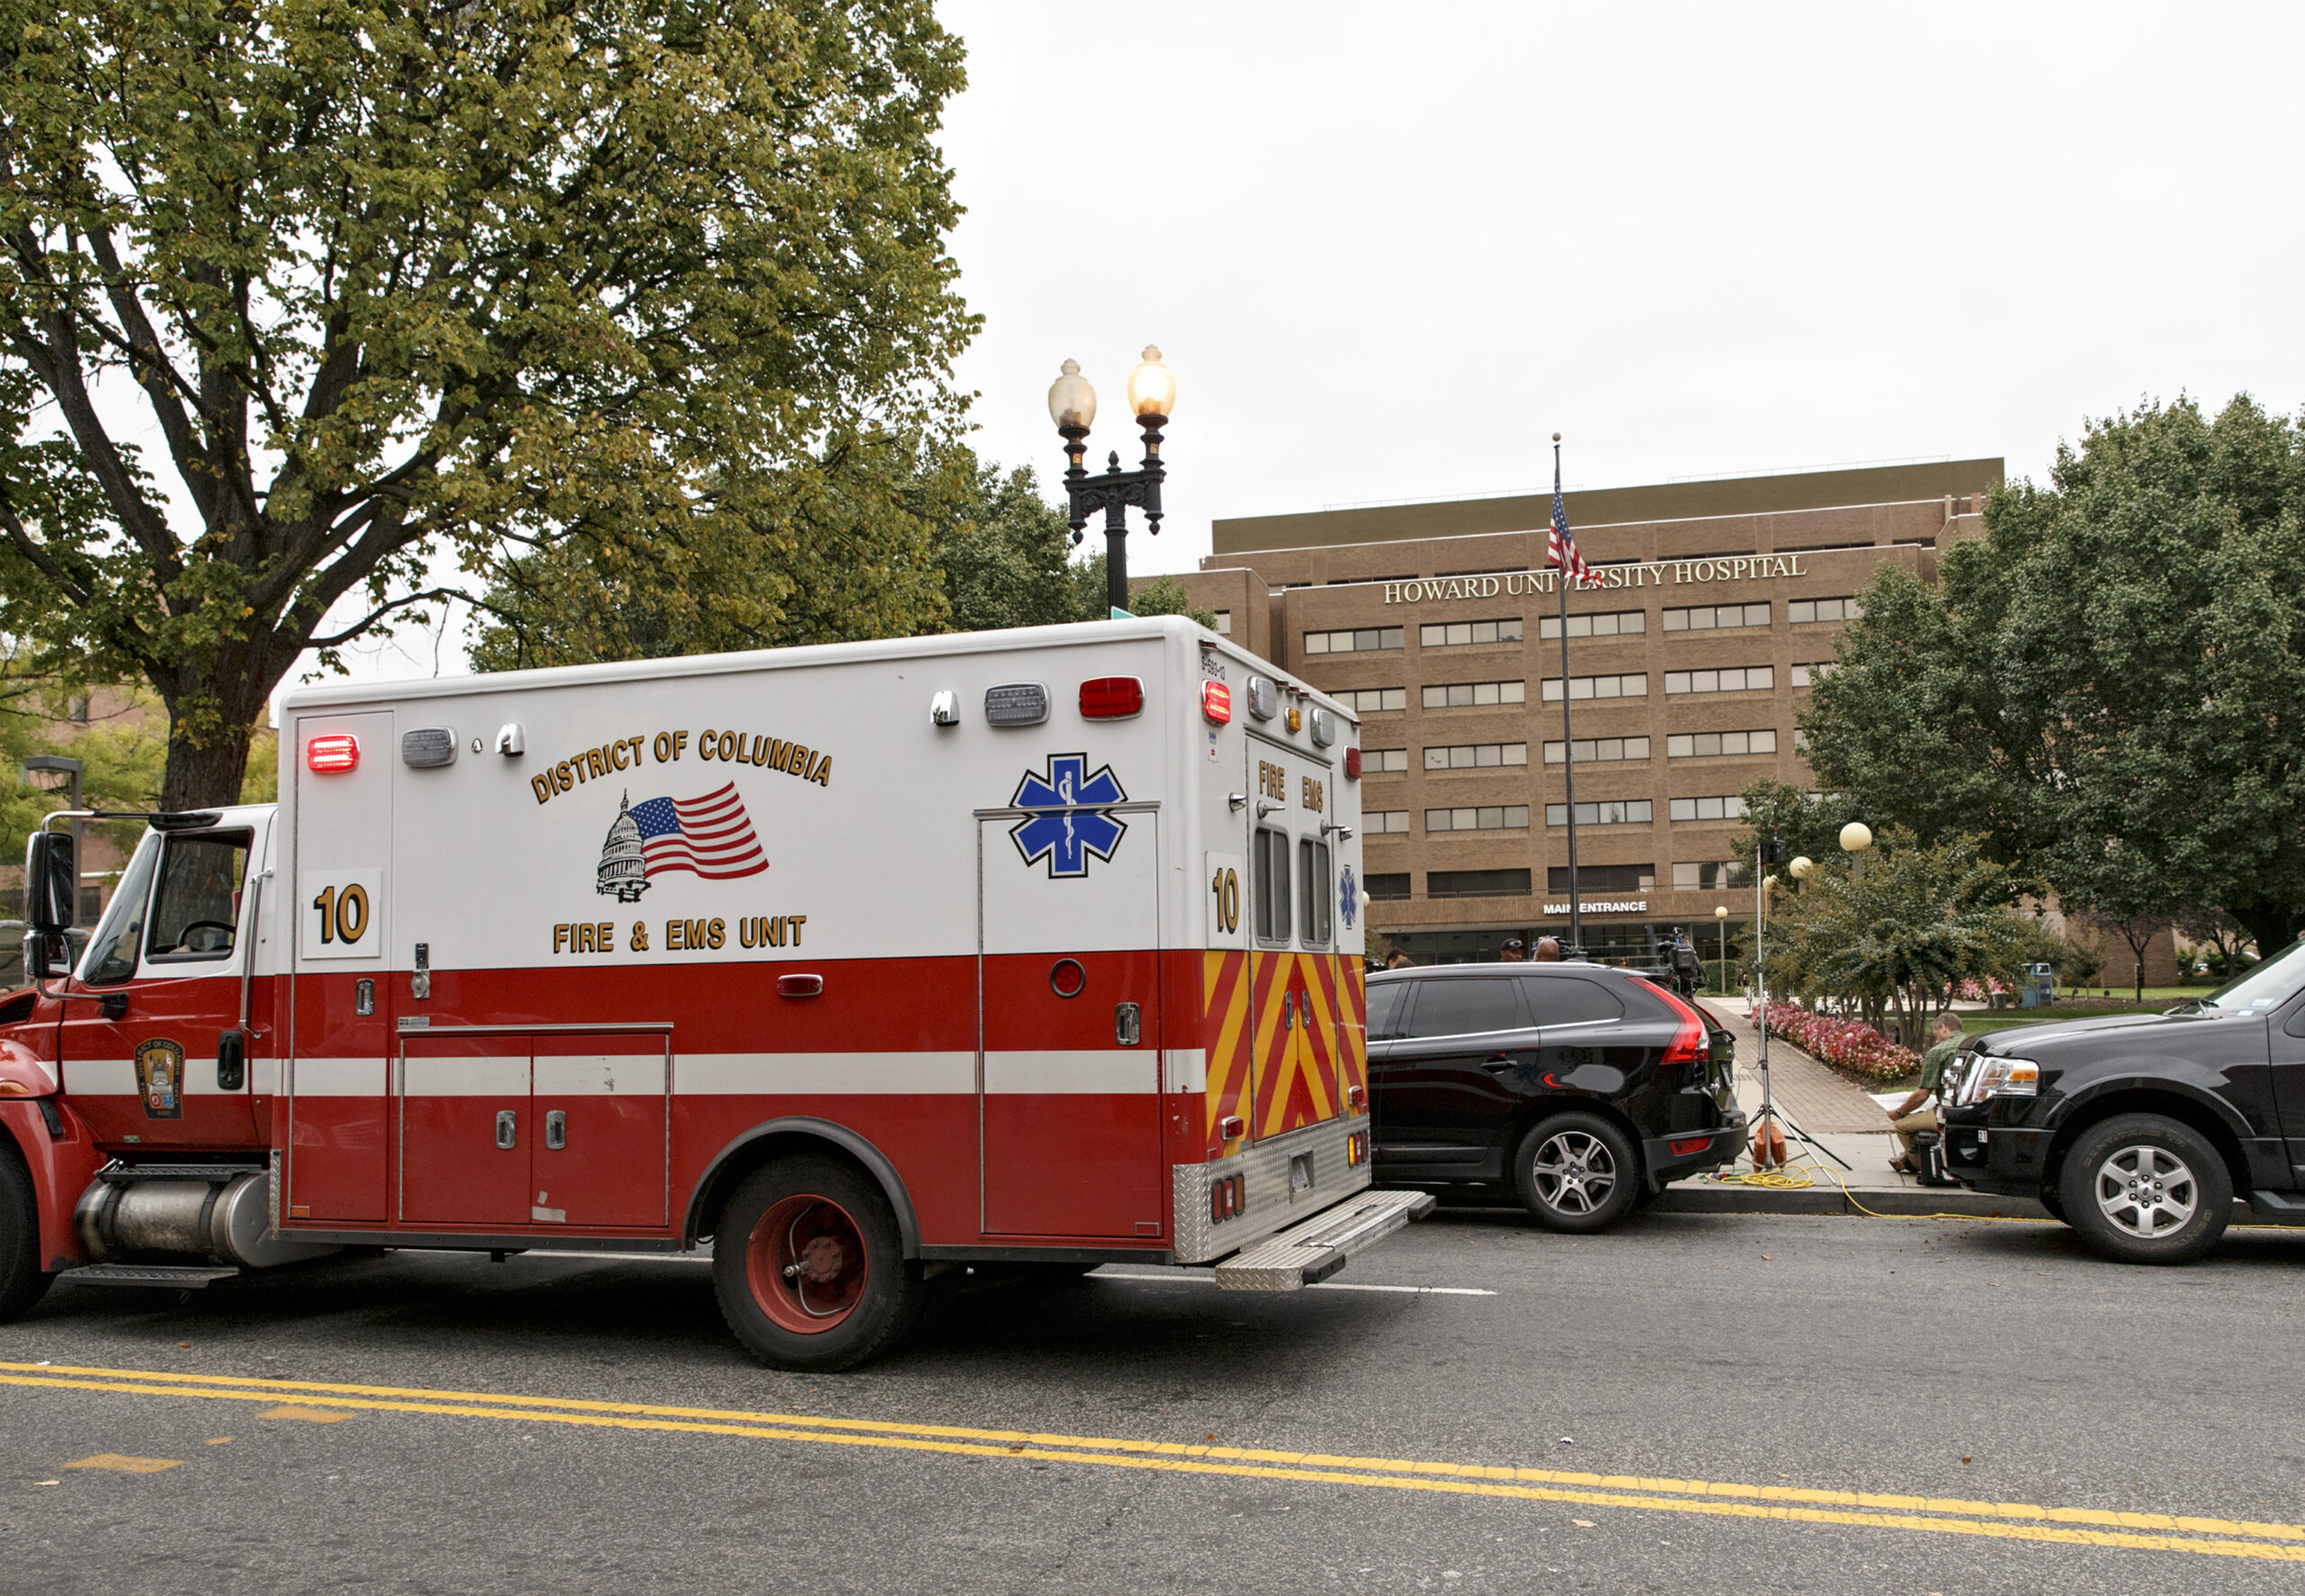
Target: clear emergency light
point(1111, 698)
point(333, 753)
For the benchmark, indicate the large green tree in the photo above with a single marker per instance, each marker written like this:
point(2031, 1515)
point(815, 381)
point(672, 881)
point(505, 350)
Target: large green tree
point(2110, 684)
point(398, 292)
point(1901, 933)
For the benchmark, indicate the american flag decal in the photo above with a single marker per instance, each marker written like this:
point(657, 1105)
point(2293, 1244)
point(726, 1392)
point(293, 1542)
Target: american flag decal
point(711, 835)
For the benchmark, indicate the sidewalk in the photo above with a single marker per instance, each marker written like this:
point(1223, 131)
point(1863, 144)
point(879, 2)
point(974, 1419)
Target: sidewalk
point(1844, 1121)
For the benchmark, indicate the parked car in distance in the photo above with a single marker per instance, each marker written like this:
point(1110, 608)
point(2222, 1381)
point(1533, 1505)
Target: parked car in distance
point(1582, 1090)
point(2139, 1131)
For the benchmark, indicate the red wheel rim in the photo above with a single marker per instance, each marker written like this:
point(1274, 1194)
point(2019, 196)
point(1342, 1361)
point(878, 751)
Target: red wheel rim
point(805, 1263)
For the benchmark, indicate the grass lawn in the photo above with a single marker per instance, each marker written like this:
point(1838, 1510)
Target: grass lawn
point(1977, 1022)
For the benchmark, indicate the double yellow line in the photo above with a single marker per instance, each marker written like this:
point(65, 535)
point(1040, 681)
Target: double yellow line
point(2003, 1520)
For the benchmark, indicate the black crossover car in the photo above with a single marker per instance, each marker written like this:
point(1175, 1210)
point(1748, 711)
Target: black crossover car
point(1580, 1088)
point(2139, 1131)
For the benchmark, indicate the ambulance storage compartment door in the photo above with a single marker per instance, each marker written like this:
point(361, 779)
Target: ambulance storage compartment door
point(1069, 1071)
point(508, 1129)
point(336, 891)
point(467, 1133)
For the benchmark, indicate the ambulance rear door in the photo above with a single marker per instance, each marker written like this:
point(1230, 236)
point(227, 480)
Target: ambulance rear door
point(1304, 1049)
point(1069, 1009)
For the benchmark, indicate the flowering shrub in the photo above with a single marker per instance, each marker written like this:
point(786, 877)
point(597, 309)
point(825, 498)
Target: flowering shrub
point(1849, 1046)
point(1974, 990)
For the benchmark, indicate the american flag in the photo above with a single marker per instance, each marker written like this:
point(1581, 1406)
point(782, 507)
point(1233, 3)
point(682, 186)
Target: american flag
point(1561, 548)
point(711, 835)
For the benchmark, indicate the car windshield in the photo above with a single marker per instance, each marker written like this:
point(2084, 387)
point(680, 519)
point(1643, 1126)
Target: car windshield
point(2263, 985)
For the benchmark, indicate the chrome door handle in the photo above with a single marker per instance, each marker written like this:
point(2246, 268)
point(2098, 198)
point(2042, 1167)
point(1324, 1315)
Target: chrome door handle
point(1497, 1063)
point(556, 1130)
point(507, 1128)
point(1129, 1027)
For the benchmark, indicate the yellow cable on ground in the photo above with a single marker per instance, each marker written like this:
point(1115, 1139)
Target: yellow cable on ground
point(1784, 1178)
point(1800, 1175)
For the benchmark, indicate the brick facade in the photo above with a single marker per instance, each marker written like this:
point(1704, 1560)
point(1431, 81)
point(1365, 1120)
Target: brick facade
point(1365, 600)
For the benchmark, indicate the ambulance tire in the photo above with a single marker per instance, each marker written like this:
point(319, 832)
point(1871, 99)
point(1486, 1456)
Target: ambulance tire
point(827, 1222)
point(22, 1282)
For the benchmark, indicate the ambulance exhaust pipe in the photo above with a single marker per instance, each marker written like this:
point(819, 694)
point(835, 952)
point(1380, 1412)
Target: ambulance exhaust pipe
point(131, 1216)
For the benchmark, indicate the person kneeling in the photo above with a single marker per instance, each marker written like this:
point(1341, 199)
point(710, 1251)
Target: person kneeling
point(1910, 1118)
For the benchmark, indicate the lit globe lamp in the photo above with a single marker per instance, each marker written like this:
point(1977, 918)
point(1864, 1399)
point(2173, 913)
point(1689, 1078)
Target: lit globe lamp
point(1856, 838)
point(1072, 406)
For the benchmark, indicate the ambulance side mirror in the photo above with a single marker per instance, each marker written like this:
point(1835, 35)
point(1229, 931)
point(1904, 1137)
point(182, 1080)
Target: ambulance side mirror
point(51, 882)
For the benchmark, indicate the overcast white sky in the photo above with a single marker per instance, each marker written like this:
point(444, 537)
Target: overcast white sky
point(1389, 249)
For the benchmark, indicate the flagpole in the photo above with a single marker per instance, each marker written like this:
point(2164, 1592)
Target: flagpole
point(1576, 949)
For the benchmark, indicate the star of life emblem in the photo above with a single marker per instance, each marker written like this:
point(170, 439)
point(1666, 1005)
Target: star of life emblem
point(1072, 823)
point(1348, 896)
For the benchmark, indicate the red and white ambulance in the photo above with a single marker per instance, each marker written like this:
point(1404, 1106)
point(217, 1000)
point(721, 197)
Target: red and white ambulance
point(865, 962)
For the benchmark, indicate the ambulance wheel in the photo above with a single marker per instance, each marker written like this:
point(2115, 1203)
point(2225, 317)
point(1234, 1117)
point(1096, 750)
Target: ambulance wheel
point(810, 1270)
point(22, 1282)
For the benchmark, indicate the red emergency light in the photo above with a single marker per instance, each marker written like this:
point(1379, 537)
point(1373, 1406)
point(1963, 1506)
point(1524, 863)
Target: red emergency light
point(1111, 698)
point(333, 753)
point(1216, 702)
point(1353, 764)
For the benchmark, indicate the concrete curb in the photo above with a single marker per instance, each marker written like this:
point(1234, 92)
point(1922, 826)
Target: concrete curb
point(1825, 1197)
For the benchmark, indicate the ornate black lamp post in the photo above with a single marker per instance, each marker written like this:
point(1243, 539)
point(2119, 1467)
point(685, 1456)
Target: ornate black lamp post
point(1072, 406)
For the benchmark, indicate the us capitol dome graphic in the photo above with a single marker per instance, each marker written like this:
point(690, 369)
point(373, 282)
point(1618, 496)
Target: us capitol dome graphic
point(623, 870)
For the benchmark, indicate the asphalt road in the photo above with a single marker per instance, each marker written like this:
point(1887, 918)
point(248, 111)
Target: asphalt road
point(1693, 1403)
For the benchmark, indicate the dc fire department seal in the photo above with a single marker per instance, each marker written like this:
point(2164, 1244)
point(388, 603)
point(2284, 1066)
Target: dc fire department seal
point(159, 1079)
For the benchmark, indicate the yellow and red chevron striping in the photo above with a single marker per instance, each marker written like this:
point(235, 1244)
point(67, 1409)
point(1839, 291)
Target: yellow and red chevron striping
point(1225, 1027)
point(1287, 1039)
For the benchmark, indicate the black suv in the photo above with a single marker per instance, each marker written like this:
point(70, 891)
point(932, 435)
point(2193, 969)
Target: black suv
point(1580, 1088)
point(2139, 1131)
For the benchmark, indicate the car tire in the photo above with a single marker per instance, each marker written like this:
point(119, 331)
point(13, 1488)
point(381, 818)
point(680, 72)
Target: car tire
point(2054, 1201)
point(1578, 1173)
point(810, 1268)
point(2143, 1189)
point(22, 1282)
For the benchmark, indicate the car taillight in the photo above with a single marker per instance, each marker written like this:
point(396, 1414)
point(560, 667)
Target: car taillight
point(1692, 1043)
point(1111, 698)
point(332, 754)
point(1216, 702)
point(1686, 1145)
point(1353, 764)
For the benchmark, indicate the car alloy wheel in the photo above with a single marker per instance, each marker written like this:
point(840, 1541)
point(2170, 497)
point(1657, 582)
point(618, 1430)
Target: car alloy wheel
point(1574, 1172)
point(2146, 1192)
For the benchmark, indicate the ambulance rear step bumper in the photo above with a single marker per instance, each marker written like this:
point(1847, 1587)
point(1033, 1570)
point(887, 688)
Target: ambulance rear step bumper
point(1308, 1253)
point(182, 1277)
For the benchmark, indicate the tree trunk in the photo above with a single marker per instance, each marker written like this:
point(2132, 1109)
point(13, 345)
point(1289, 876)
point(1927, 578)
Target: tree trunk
point(2137, 952)
point(207, 776)
point(216, 698)
point(2270, 928)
